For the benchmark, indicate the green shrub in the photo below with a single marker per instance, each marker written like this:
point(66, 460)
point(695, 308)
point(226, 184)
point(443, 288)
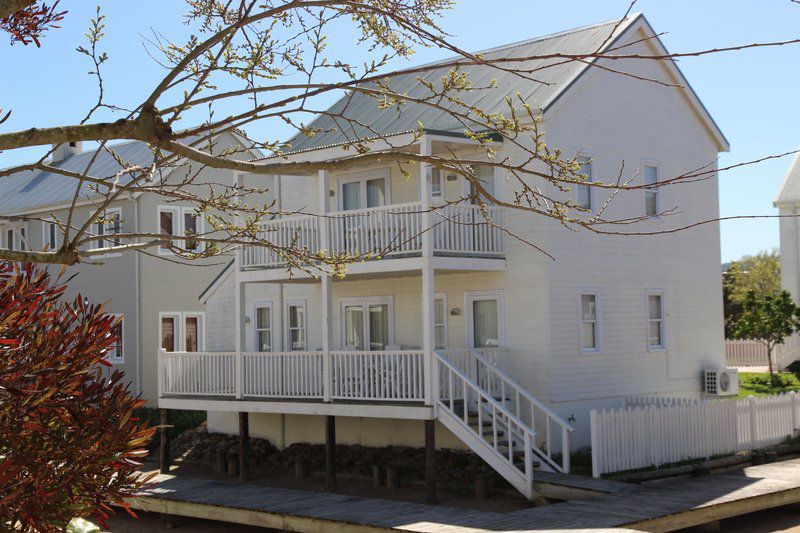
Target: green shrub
point(179, 420)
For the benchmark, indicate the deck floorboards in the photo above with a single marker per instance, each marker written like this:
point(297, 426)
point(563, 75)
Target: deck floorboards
point(660, 506)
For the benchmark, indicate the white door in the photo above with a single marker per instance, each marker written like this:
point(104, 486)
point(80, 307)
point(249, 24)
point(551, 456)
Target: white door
point(484, 320)
point(367, 324)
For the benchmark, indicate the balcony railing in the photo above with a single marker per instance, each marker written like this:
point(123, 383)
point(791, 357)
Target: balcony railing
point(388, 231)
point(355, 375)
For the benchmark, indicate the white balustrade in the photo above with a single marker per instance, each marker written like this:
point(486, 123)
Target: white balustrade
point(385, 231)
point(198, 373)
point(378, 376)
point(282, 374)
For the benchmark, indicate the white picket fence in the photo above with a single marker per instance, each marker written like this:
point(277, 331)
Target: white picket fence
point(650, 432)
point(740, 353)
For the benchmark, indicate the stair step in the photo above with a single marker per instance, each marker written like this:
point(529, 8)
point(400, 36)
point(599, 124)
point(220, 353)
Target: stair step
point(490, 433)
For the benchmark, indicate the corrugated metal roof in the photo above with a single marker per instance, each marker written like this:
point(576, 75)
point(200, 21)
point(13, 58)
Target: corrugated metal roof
point(790, 188)
point(552, 77)
point(35, 188)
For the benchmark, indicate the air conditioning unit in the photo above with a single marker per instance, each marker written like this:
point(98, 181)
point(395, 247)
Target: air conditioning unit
point(721, 382)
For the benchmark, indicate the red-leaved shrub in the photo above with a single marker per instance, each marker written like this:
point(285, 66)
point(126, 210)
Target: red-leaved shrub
point(69, 445)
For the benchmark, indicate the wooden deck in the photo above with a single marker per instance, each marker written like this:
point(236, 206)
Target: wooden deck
point(663, 506)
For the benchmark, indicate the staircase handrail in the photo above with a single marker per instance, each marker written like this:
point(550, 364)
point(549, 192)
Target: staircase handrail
point(523, 392)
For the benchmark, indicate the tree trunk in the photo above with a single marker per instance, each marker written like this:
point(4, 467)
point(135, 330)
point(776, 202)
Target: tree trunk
point(769, 361)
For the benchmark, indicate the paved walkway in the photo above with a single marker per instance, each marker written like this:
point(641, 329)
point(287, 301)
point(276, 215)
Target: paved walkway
point(663, 506)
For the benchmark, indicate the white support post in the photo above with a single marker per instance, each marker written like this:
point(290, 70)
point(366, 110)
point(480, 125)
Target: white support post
point(428, 290)
point(162, 371)
point(239, 303)
point(326, 309)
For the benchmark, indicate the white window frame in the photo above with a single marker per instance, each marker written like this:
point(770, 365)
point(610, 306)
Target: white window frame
point(441, 297)
point(363, 177)
point(176, 224)
point(268, 305)
point(20, 234)
point(201, 326)
point(470, 297)
point(180, 328)
point(46, 225)
point(200, 228)
point(437, 175)
point(287, 328)
point(118, 359)
point(101, 243)
point(656, 190)
point(663, 346)
point(590, 160)
point(365, 301)
point(598, 344)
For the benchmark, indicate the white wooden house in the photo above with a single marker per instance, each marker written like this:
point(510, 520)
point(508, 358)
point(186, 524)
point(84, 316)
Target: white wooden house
point(464, 313)
point(788, 204)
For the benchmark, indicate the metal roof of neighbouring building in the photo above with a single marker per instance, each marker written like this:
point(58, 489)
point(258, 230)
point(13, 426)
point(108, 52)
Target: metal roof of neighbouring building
point(790, 188)
point(30, 189)
point(551, 77)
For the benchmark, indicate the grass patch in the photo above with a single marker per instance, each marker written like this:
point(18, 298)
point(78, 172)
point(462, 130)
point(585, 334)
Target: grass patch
point(760, 384)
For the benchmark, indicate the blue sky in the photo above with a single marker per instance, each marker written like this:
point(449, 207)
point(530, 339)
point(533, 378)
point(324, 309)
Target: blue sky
point(751, 94)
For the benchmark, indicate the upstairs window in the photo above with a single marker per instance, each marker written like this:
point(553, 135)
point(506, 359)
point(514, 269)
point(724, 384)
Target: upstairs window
point(584, 192)
point(590, 323)
point(50, 235)
point(16, 239)
point(440, 322)
point(651, 199)
point(110, 223)
point(437, 183)
point(263, 327)
point(181, 332)
point(174, 221)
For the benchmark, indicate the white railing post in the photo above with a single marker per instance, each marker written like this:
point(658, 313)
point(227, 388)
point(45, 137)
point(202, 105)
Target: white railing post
point(528, 456)
point(326, 291)
point(565, 457)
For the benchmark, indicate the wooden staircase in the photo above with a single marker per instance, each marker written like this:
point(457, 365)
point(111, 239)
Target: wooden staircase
point(498, 420)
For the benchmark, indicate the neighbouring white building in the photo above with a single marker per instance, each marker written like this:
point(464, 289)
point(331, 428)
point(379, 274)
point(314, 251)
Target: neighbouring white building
point(154, 293)
point(788, 204)
point(463, 325)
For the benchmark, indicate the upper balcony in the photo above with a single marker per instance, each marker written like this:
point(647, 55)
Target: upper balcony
point(463, 237)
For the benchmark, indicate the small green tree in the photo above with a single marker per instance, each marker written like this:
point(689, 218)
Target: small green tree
point(768, 319)
point(760, 273)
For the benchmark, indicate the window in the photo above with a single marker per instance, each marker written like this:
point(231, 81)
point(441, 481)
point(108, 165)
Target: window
point(180, 222)
point(651, 206)
point(50, 235)
point(182, 332)
point(364, 190)
point(296, 325)
point(15, 238)
point(485, 175)
point(590, 323)
point(262, 325)
point(169, 326)
point(368, 323)
point(440, 322)
point(655, 321)
point(584, 192)
point(116, 354)
point(108, 224)
point(437, 183)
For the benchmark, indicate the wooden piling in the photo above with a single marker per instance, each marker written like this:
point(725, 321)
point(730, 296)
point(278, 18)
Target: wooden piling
point(244, 447)
point(163, 456)
point(430, 461)
point(330, 453)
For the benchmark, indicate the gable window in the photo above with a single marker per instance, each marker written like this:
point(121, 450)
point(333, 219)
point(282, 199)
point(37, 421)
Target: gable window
point(108, 224)
point(296, 325)
point(655, 321)
point(263, 327)
point(584, 192)
point(116, 353)
point(651, 199)
point(15, 238)
point(50, 235)
point(590, 323)
point(190, 230)
point(167, 224)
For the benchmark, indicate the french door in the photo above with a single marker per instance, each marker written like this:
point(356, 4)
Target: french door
point(366, 324)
